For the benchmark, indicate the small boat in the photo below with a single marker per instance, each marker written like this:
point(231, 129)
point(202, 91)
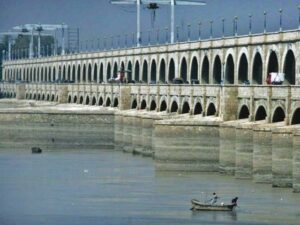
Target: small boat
point(201, 206)
point(36, 150)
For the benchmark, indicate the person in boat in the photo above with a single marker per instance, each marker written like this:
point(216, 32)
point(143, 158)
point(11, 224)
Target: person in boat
point(234, 201)
point(214, 199)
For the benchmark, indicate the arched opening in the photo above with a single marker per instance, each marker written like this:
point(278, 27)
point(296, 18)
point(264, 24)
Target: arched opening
point(95, 73)
point(78, 74)
point(145, 72)
point(229, 71)
point(116, 102)
point(108, 71)
point(115, 74)
point(89, 74)
point(244, 112)
point(107, 102)
point(75, 99)
point(278, 115)
point(39, 97)
point(81, 100)
point(34, 96)
point(84, 73)
point(217, 70)
point(185, 108)
point(257, 69)
point(100, 101)
point(137, 71)
point(174, 107)
point(290, 68)
point(129, 71)
point(198, 109)
point(296, 117)
point(52, 98)
point(69, 99)
point(163, 106)
point(205, 71)
point(73, 73)
point(43, 97)
point(69, 73)
point(273, 63)
point(152, 105)
point(171, 70)
point(183, 70)
point(162, 71)
point(101, 78)
point(134, 104)
point(211, 110)
point(64, 74)
point(143, 104)
point(153, 72)
point(243, 69)
point(194, 69)
point(261, 113)
point(48, 97)
point(94, 101)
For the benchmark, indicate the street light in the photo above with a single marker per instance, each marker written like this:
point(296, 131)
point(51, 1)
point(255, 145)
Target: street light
point(265, 21)
point(199, 34)
point(250, 23)
point(223, 27)
point(211, 28)
point(236, 24)
point(280, 20)
point(189, 31)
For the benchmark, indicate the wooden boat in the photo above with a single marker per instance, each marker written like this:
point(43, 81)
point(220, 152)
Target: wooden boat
point(36, 150)
point(201, 206)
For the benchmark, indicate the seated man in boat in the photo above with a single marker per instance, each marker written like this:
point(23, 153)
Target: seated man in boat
point(214, 199)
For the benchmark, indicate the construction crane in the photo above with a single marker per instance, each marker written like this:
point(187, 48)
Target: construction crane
point(151, 3)
point(12, 34)
point(39, 28)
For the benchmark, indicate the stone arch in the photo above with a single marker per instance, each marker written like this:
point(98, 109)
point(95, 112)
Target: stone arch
point(101, 78)
point(94, 101)
point(278, 115)
point(84, 73)
point(257, 69)
point(89, 73)
point(244, 112)
point(145, 72)
point(64, 73)
point(143, 104)
point(290, 67)
point(108, 71)
point(163, 106)
point(115, 70)
point(153, 72)
point(296, 117)
point(153, 105)
point(194, 69)
point(205, 71)
point(217, 70)
point(171, 74)
point(73, 73)
point(137, 71)
point(243, 69)
point(48, 97)
point(69, 99)
point(87, 100)
point(107, 103)
point(162, 71)
point(183, 69)
point(78, 73)
point(116, 102)
point(273, 65)
point(100, 102)
point(95, 75)
point(134, 104)
point(229, 70)
point(52, 98)
point(129, 71)
point(174, 107)
point(260, 114)
point(81, 100)
point(198, 108)
point(75, 99)
point(211, 110)
point(185, 107)
point(69, 73)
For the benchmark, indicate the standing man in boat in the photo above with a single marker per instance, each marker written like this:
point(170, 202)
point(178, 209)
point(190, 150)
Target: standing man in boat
point(214, 199)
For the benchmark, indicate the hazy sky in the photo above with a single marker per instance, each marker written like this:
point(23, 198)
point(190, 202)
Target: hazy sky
point(98, 18)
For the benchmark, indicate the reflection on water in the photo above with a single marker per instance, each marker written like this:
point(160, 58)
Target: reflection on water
point(107, 187)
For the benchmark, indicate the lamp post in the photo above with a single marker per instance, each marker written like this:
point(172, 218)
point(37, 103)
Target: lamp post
point(126, 40)
point(199, 32)
point(299, 17)
point(177, 33)
point(265, 21)
point(157, 36)
point(250, 24)
point(223, 27)
point(211, 28)
point(149, 38)
point(104, 43)
point(236, 25)
point(166, 34)
point(189, 31)
point(280, 19)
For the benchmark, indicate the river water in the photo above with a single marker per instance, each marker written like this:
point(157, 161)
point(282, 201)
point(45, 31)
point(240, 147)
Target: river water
point(90, 187)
